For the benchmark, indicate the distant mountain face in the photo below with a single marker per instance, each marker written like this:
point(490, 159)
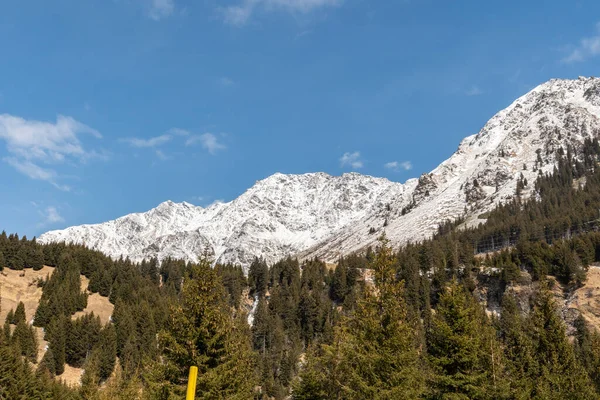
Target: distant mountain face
point(321, 215)
point(278, 216)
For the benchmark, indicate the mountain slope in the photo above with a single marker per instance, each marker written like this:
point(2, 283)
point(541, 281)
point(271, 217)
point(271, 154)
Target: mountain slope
point(321, 215)
point(280, 215)
point(486, 167)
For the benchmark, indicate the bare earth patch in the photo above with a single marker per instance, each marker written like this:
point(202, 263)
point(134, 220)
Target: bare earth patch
point(587, 298)
point(97, 304)
point(23, 288)
point(71, 376)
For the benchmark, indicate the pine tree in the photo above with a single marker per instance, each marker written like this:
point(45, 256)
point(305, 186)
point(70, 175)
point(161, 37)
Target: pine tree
point(518, 348)
point(586, 349)
point(200, 332)
point(261, 326)
point(90, 378)
point(258, 275)
point(560, 375)
point(24, 338)
point(120, 388)
point(47, 364)
point(107, 347)
point(463, 351)
point(339, 285)
point(374, 354)
point(7, 330)
point(10, 317)
point(19, 314)
point(58, 338)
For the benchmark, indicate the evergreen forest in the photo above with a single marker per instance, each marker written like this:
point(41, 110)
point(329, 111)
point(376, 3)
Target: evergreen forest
point(438, 319)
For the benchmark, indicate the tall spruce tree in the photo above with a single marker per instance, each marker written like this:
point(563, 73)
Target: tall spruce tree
point(518, 348)
point(559, 375)
point(463, 351)
point(107, 348)
point(201, 332)
point(19, 314)
point(57, 338)
point(24, 338)
point(374, 353)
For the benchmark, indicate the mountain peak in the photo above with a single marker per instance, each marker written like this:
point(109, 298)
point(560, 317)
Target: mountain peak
point(317, 214)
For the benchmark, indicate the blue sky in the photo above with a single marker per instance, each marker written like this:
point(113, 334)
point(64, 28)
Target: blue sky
point(112, 106)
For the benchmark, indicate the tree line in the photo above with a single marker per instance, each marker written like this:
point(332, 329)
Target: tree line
point(419, 330)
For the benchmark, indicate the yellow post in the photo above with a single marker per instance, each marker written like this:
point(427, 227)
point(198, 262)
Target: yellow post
point(191, 388)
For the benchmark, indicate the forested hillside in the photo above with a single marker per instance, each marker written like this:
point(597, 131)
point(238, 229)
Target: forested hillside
point(389, 323)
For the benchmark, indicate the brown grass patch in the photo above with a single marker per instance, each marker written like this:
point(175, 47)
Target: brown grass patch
point(22, 286)
point(19, 286)
point(71, 376)
point(97, 304)
point(587, 298)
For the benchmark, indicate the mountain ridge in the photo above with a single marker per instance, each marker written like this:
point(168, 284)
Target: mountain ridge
point(317, 214)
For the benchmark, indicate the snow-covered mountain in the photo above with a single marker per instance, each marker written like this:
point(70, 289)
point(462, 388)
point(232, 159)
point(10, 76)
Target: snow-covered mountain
point(321, 215)
point(280, 215)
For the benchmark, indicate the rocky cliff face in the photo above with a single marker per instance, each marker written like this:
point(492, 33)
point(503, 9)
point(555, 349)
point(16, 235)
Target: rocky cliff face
point(321, 215)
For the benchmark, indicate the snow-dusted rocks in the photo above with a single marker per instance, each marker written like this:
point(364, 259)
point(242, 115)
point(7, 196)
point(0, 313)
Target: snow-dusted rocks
point(278, 216)
point(321, 215)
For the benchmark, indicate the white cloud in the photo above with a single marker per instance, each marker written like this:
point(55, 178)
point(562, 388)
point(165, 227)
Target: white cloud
point(33, 142)
point(160, 9)
point(398, 166)
point(160, 154)
point(152, 142)
point(50, 215)
point(209, 141)
point(351, 159)
point(588, 47)
point(241, 13)
point(36, 172)
point(474, 91)
point(178, 132)
point(226, 82)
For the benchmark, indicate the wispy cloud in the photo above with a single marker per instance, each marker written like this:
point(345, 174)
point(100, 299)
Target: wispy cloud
point(159, 9)
point(32, 143)
point(226, 82)
point(208, 141)
point(241, 13)
point(399, 166)
point(178, 132)
point(50, 215)
point(36, 172)
point(588, 47)
point(161, 154)
point(474, 91)
point(352, 160)
point(151, 142)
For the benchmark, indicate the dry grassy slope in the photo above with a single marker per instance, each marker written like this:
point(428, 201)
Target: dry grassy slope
point(586, 299)
point(97, 304)
point(18, 286)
